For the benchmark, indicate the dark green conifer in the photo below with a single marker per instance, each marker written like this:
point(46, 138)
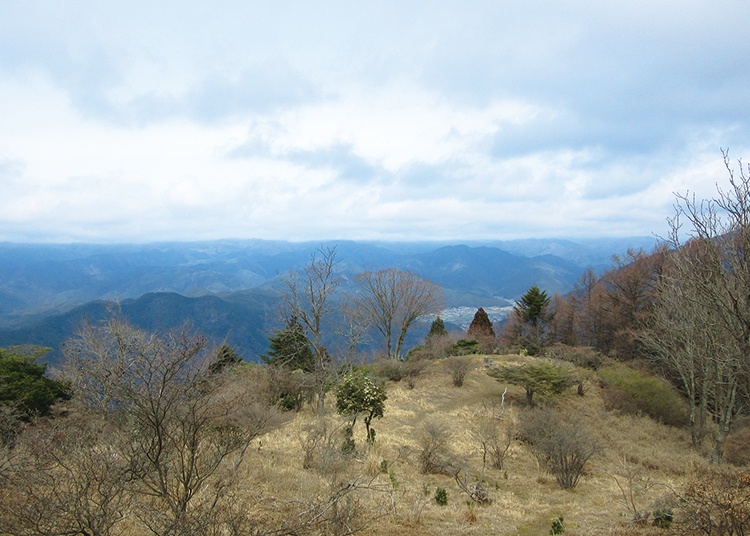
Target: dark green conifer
point(437, 328)
point(291, 347)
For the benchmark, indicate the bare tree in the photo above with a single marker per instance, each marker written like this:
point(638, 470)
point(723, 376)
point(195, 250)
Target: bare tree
point(627, 301)
point(353, 327)
point(308, 297)
point(182, 425)
point(678, 338)
point(66, 478)
point(709, 283)
point(393, 300)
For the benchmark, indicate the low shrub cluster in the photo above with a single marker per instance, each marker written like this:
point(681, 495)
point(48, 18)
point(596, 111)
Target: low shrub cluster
point(633, 392)
point(435, 456)
point(581, 356)
point(718, 504)
point(560, 445)
point(458, 366)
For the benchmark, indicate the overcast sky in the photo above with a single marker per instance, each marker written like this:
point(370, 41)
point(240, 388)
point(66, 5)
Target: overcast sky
point(141, 121)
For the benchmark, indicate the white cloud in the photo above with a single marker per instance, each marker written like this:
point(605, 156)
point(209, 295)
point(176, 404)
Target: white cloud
point(182, 120)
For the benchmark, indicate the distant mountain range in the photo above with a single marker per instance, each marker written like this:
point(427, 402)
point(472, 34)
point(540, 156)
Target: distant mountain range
point(228, 289)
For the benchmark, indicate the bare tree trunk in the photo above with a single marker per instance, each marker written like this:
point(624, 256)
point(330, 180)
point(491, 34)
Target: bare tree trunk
point(308, 297)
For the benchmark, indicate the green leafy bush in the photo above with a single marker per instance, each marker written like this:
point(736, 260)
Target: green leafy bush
point(441, 496)
point(357, 394)
point(465, 347)
point(629, 390)
point(542, 377)
point(557, 526)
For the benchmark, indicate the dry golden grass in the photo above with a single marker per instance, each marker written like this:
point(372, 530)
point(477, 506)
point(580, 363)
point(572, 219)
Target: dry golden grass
point(525, 499)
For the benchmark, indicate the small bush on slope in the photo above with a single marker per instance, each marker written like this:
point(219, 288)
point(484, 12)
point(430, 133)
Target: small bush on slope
point(631, 391)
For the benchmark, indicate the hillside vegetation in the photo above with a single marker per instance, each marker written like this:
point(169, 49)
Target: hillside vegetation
point(525, 498)
point(296, 477)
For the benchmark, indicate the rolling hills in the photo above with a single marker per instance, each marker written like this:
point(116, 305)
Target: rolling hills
point(228, 289)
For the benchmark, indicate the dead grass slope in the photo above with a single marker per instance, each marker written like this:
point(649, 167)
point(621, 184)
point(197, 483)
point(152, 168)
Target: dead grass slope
point(525, 499)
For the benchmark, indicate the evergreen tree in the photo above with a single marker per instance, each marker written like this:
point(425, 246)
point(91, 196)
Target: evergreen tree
point(23, 383)
point(530, 323)
point(357, 394)
point(291, 347)
point(225, 358)
point(533, 306)
point(481, 325)
point(437, 329)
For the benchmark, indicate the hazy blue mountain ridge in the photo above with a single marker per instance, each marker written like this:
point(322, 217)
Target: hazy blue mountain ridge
point(228, 289)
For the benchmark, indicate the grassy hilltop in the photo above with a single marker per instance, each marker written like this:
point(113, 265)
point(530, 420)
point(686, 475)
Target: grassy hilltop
point(636, 455)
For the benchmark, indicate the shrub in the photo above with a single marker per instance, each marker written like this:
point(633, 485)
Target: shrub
point(435, 457)
point(465, 347)
point(412, 369)
point(541, 377)
point(324, 445)
point(557, 526)
point(718, 504)
point(580, 356)
point(356, 394)
point(441, 496)
point(562, 446)
point(662, 514)
point(458, 366)
point(493, 438)
point(631, 391)
point(286, 388)
point(389, 369)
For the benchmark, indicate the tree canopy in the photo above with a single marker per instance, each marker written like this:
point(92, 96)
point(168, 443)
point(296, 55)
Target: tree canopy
point(290, 347)
point(540, 377)
point(533, 306)
point(23, 383)
point(393, 300)
point(357, 394)
point(437, 328)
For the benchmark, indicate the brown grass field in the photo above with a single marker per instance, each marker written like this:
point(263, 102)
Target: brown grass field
point(525, 498)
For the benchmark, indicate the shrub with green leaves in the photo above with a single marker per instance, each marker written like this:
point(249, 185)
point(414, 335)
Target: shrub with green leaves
point(356, 393)
point(631, 391)
point(441, 496)
point(542, 377)
point(465, 347)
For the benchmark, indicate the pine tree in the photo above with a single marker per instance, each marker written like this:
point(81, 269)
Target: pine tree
point(291, 347)
point(532, 317)
point(533, 306)
point(225, 358)
point(481, 325)
point(437, 328)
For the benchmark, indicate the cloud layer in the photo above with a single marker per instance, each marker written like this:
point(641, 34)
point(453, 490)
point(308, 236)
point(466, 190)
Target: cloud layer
point(294, 120)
